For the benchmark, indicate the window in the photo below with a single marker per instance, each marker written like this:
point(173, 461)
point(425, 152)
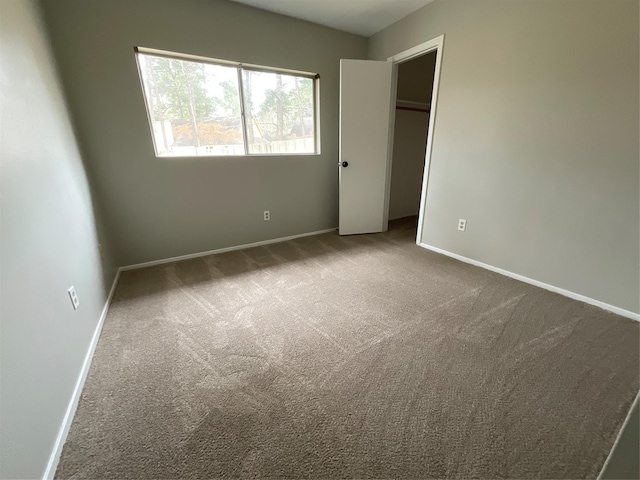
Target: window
point(207, 107)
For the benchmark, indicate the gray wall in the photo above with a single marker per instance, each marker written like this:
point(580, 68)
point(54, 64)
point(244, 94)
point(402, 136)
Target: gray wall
point(48, 242)
point(158, 208)
point(409, 145)
point(415, 78)
point(536, 138)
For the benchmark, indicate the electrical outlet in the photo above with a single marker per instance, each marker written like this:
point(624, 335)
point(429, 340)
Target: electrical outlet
point(462, 225)
point(74, 298)
point(267, 216)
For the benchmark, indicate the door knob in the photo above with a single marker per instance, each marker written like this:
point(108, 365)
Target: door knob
point(344, 164)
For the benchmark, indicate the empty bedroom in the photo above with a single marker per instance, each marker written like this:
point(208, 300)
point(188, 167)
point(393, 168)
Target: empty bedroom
point(319, 239)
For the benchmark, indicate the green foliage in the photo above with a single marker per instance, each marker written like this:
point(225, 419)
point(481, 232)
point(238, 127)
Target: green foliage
point(284, 106)
point(229, 103)
point(202, 103)
point(177, 89)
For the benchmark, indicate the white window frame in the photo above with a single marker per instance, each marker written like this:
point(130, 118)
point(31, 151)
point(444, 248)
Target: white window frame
point(240, 67)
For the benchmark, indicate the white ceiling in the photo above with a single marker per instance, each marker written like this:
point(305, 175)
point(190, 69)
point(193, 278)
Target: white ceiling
point(362, 17)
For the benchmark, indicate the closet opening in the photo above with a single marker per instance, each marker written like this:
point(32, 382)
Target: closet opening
point(415, 82)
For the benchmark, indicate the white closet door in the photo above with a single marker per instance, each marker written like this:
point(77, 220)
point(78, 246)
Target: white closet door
point(365, 106)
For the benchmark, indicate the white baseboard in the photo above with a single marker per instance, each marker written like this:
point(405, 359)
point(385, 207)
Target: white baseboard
point(75, 397)
point(222, 250)
point(618, 437)
point(546, 286)
point(54, 458)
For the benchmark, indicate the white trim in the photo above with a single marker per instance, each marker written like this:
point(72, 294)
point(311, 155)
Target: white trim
point(418, 50)
point(537, 283)
point(619, 436)
point(54, 458)
point(436, 44)
point(222, 250)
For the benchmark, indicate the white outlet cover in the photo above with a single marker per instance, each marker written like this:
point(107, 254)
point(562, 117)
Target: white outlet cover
point(75, 302)
point(462, 225)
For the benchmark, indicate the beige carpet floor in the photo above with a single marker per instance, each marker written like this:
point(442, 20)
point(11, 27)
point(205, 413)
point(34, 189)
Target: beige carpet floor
point(349, 357)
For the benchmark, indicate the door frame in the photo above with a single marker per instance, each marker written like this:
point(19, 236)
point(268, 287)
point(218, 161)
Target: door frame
point(436, 44)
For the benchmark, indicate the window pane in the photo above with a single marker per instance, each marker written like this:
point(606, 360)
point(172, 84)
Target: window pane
point(194, 107)
point(279, 113)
